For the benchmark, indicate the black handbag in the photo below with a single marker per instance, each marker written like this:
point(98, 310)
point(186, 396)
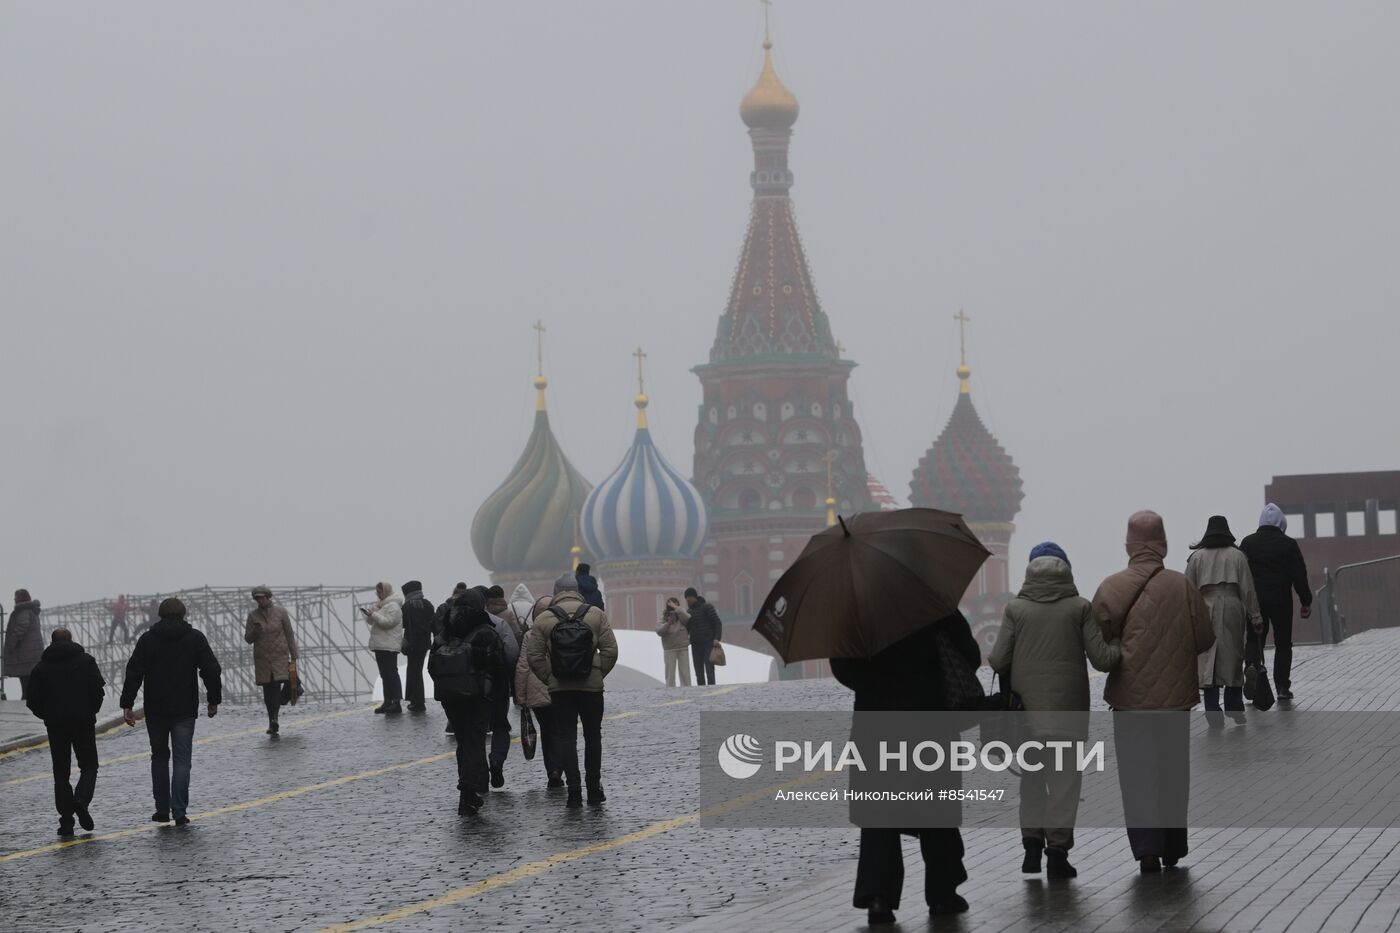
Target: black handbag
point(961, 688)
point(1263, 693)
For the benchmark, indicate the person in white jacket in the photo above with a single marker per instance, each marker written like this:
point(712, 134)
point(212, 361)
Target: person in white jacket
point(385, 621)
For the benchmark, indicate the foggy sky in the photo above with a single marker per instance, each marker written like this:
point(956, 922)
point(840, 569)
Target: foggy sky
point(268, 271)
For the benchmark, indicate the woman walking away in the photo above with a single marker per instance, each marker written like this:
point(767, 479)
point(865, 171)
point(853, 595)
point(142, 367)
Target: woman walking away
point(1163, 624)
point(385, 620)
point(532, 693)
point(907, 676)
point(675, 642)
point(1221, 572)
point(269, 631)
point(1046, 632)
point(24, 643)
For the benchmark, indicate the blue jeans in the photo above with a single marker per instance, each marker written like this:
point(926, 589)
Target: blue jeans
point(172, 791)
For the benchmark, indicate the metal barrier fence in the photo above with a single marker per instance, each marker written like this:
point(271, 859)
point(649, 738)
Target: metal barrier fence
point(1360, 597)
point(332, 663)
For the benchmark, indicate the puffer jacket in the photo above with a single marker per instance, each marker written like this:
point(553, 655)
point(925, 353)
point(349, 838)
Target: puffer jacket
point(1046, 632)
point(418, 616)
point(674, 629)
point(385, 622)
point(604, 644)
point(1161, 638)
point(529, 690)
point(24, 643)
point(270, 634)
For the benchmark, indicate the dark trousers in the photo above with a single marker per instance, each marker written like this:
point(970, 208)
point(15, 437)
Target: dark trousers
point(880, 871)
point(23, 686)
point(171, 789)
point(1280, 619)
point(272, 699)
point(572, 707)
point(112, 631)
point(704, 670)
point(470, 718)
point(388, 662)
point(500, 731)
point(414, 690)
point(1153, 751)
point(1234, 698)
point(550, 746)
point(67, 740)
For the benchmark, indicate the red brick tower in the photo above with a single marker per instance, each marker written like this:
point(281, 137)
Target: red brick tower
point(774, 404)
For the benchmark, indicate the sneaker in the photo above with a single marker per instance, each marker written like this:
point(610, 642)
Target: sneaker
point(160, 816)
point(84, 817)
point(417, 708)
point(182, 821)
point(65, 827)
point(1030, 865)
point(948, 904)
point(272, 729)
point(575, 799)
point(1285, 694)
point(596, 796)
point(879, 912)
point(498, 777)
point(1057, 864)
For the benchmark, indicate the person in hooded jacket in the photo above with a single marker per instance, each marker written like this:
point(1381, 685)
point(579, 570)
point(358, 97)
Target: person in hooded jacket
point(385, 621)
point(418, 615)
point(269, 630)
point(531, 692)
point(440, 619)
point(65, 691)
point(24, 642)
point(165, 661)
point(588, 587)
point(469, 713)
point(1046, 632)
point(1221, 572)
point(496, 607)
point(1279, 571)
point(1163, 625)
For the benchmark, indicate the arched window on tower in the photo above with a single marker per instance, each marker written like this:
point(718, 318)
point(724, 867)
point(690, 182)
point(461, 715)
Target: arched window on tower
point(743, 594)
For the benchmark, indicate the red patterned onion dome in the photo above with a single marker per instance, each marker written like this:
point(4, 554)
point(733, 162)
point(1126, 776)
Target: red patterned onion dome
point(880, 494)
point(966, 470)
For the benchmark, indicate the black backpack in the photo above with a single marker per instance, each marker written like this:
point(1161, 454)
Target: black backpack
point(469, 667)
point(571, 644)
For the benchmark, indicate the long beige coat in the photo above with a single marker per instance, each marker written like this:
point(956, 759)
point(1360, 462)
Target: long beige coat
point(269, 631)
point(1162, 637)
point(1222, 574)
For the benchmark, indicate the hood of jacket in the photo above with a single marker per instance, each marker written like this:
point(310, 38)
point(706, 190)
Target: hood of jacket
point(1273, 517)
point(63, 653)
point(171, 629)
point(1048, 580)
point(393, 599)
point(27, 604)
point(521, 602)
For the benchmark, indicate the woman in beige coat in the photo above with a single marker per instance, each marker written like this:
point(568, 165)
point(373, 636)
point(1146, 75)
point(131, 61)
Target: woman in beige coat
point(1046, 633)
point(675, 642)
point(1221, 572)
point(269, 631)
point(532, 693)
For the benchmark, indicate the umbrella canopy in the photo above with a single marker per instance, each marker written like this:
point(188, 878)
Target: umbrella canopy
point(862, 585)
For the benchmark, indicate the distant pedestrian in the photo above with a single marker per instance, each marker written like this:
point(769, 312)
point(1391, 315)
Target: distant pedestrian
point(385, 621)
point(418, 615)
point(469, 672)
point(24, 642)
point(572, 649)
point(1046, 632)
point(1163, 625)
point(65, 691)
point(588, 586)
point(152, 614)
point(705, 629)
point(269, 630)
point(440, 619)
point(907, 676)
point(675, 642)
point(496, 607)
point(166, 660)
point(118, 608)
point(531, 692)
point(1279, 571)
point(1221, 572)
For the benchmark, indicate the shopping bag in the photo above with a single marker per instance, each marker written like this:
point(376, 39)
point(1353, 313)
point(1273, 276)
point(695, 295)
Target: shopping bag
point(717, 655)
point(1263, 693)
point(528, 735)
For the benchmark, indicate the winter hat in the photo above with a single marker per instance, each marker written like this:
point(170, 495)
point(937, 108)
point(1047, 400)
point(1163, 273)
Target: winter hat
point(584, 568)
point(412, 586)
point(1050, 549)
point(1145, 531)
point(172, 608)
point(567, 582)
point(1217, 534)
point(1273, 516)
point(262, 591)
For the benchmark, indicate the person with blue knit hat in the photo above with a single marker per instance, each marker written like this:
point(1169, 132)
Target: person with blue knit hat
point(1046, 632)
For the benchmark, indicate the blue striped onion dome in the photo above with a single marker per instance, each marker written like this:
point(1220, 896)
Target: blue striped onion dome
point(646, 510)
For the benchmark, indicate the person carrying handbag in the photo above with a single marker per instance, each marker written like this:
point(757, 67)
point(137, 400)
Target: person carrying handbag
point(269, 630)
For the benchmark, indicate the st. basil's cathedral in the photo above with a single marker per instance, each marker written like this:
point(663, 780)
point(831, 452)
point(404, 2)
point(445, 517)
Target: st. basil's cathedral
point(777, 454)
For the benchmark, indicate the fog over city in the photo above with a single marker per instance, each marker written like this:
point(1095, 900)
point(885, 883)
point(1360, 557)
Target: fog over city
point(268, 272)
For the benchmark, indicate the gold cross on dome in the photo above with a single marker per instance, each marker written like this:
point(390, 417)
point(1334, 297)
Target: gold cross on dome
point(962, 319)
point(640, 355)
point(539, 345)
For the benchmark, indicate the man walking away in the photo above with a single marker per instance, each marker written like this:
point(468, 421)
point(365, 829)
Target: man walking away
point(468, 671)
point(166, 660)
point(440, 619)
point(269, 631)
point(675, 642)
point(418, 616)
point(705, 630)
point(496, 606)
point(588, 587)
point(65, 691)
point(24, 643)
point(1279, 571)
point(571, 649)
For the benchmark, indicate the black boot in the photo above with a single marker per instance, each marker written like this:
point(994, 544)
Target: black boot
point(555, 780)
point(468, 803)
point(65, 826)
point(949, 903)
point(1150, 864)
point(1031, 864)
point(498, 776)
point(575, 799)
point(1057, 864)
point(84, 817)
point(879, 912)
point(596, 795)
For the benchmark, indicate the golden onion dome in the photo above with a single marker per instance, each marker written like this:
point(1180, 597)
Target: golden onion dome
point(768, 105)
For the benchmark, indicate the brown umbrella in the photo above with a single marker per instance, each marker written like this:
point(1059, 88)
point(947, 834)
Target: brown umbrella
point(862, 585)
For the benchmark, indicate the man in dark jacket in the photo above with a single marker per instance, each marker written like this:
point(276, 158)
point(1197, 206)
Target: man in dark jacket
point(464, 699)
point(588, 587)
point(418, 615)
point(441, 617)
point(705, 630)
point(1276, 562)
point(166, 660)
point(65, 691)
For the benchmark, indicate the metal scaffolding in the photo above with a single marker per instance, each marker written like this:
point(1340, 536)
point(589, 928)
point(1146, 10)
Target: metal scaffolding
point(332, 661)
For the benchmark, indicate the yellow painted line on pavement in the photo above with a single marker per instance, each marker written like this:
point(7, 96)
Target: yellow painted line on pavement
point(674, 703)
point(723, 690)
point(627, 715)
point(220, 737)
